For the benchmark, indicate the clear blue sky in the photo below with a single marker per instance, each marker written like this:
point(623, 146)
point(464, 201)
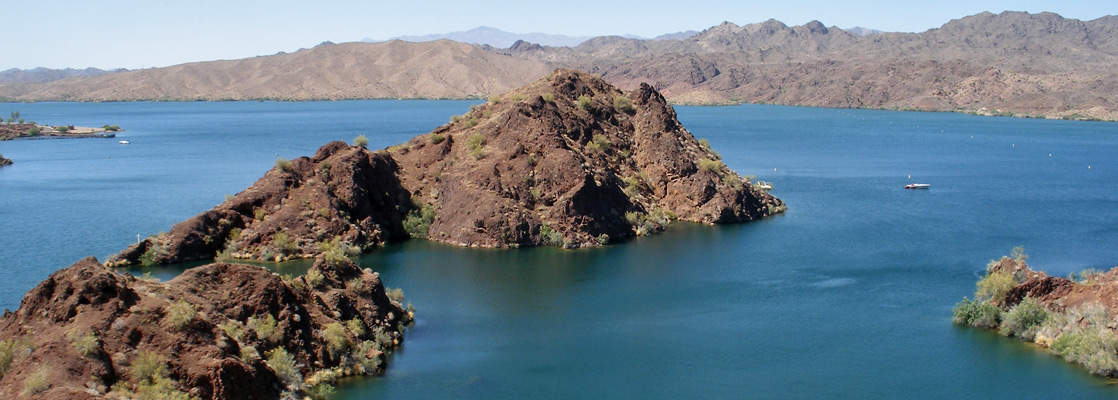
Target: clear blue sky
point(156, 33)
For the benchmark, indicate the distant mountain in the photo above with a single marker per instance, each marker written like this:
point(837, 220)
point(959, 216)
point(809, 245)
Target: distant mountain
point(396, 69)
point(494, 37)
point(39, 75)
point(860, 31)
point(677, 36)
point(1008, 63)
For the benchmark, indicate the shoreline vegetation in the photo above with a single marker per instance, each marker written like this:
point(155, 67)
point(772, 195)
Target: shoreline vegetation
point(17, 128)
point(1072, 317)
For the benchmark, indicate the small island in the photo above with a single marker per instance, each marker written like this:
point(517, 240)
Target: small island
point(16, 128)
point(1071, 317)
point(4, 161)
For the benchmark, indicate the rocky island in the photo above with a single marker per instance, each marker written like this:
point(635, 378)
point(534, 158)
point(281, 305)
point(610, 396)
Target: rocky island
point(219, 331)
point(31, 130)
point(566, 161)
point(1072, 317)
point(4, 161)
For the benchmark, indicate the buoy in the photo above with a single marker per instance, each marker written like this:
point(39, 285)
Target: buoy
point(774, 169)
point(910, 177)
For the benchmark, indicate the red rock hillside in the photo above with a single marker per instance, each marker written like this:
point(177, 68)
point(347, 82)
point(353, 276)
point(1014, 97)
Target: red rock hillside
point(219, 331)
point(566, 161)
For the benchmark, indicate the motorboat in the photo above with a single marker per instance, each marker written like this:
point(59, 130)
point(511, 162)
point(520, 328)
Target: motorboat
point(917, 186)
point(763, 185)
point(123, 142)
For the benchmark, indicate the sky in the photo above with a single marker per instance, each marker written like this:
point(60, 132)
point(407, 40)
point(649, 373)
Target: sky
point(145, 33)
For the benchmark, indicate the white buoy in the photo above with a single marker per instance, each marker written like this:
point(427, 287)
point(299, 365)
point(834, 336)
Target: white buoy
point(910, 177)
point(774, 169)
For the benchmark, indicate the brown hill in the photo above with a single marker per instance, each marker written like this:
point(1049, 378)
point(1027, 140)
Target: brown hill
point(396, 69)
point(219, 331)
point(566, 161)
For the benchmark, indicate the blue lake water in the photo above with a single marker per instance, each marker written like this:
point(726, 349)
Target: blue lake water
point(848, 294)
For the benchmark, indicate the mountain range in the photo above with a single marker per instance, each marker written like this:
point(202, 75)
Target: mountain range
point(1008, 63)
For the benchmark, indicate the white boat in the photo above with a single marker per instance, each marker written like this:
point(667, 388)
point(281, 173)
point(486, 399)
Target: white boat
point(763, 185)
point(124, 142)
point(917, 186)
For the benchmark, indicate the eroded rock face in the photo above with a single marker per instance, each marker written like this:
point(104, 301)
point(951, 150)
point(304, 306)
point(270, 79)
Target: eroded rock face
point(212, 330)
point(1056, 293)
point(567, 161)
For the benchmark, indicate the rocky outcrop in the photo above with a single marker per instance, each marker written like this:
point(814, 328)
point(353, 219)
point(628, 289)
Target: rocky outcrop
point(4, 161)
point(568, 161)
point(1057, 293)
point(219, 331)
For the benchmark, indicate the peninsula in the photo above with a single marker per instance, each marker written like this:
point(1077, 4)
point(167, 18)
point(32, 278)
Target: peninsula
point(567, 161)
point(1072, 317)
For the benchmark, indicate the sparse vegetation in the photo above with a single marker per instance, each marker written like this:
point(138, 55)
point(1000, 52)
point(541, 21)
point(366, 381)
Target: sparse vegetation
point(548, 97)
point(36, 382)
point(111, 128)
point(336, 340)
point(266, 328)
point(337, 250)
point(709, 165)
point(623, 104)
point(598, 144)
point(283, 364)
point(1023, 320)
point(179, 314)
point(283, 165)
point(314, 277)
point(475, 145)
point(418, 222)
point(10, 351)
point(395, 295)
point(551, 237)
point(976, 313)
point(994, 286)
point(584, 102)
point(437, 138)
point(284, 244)
point(361, 141)
point(148, 366)
point(86, 343)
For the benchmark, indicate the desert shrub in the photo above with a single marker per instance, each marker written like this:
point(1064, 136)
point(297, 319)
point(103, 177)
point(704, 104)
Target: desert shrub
point(623, 104)
point(418, 222)
point(233, 328)
point(356, 326)
point(249, 354)
point(437, 138)
point(475, 145)
point(266, 328)
point(712, 166)
point(284, 244)
point(259, 214)
point(548, 97)
point(732, 180)
point(471, 122)
point(976, 313)
point(36, 382)
point(598, 144)
point(148, 366)
point(1086, 277)
point(314, 277)
point(1023, 320)
point(705, 144)
point(603, 239)
point(336, 339)
point(179, 314)
point(361, 141)
point(395, 295)
point(495, 99)
point(584, 102)
point(63, 128)
point(1018, 253)
point(324, 171)
point(383, 338)
point(283, 165)
point(337, 250)
point(10, 351)
point(1093, 346)
point(85, 343)
point(356, 283)
point(34, 131)
point(283, 364)
point(321, 391)
point(994, 286)
point(550, 237)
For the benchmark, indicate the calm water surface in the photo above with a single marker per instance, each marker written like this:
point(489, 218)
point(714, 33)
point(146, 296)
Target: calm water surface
point(848, 294)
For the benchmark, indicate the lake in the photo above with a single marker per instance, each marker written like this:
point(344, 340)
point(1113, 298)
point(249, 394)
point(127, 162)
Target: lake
point(848, 294)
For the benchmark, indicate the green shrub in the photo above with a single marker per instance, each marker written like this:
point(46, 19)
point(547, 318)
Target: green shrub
point(395, 295)
point(495, 99)
point(623, 104)
point(598, 144)
point(283, 364)
point(1018, 253)
point(36, 382)
point(437, 138)
point(584, 102)
point(475, 145)
point(708, 165)
point(336, 339)
point(705, 144)
point(85, 343)
point(418, 222)
point(234, 329)
point(249, 354)
point(550, 237)
point(321, 391)
point(179, 314)
point(266, 328)
point(1023, 320)
point(63, 128)
point(336, 250)
point(976, 313)
point(361, 141)
point(603, 239)
point(1094, 347)
point(283, 165)
point(284, 244)
point(383, 338)
point(357, 326)
point(314, 277)
point(994, 286)
point(548, 97)
point(148, 366)
point(732, 180)
point(10, 351)
point(324, 171)
point(34, 131)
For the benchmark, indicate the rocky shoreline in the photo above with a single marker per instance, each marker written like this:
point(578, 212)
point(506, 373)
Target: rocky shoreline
point(568, 161)
point(220, 331)
point(1071, 317)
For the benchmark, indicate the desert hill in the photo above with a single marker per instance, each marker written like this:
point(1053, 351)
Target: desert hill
point(566, 161)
